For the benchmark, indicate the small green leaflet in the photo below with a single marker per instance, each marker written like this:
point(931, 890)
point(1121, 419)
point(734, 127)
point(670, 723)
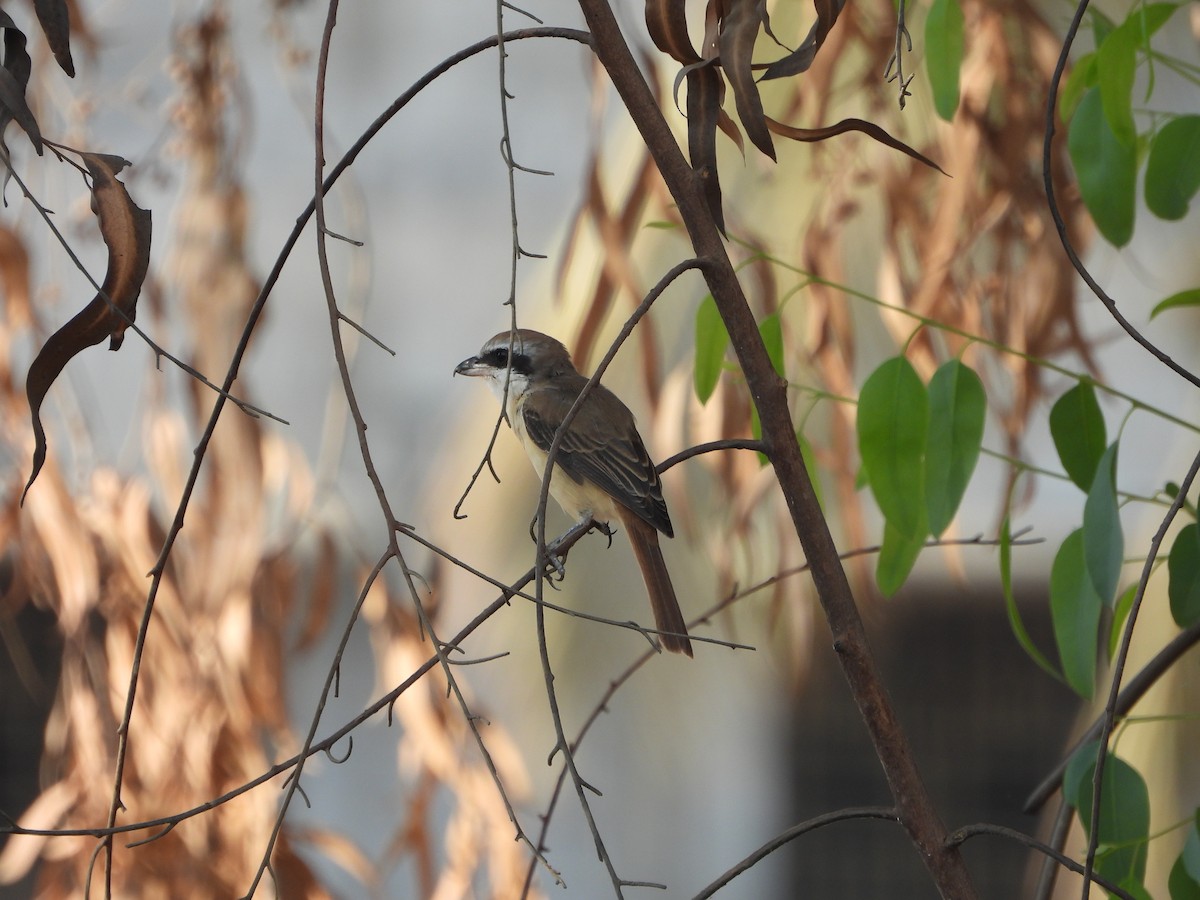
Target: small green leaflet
point(957, 408)
point(1180, 884)
point(1075, 611)
point(1083, 76)
point(711, 341)
point(1189, 857)
point(1116, 62)
point(1103, 541)
point(893, 421)
point(897, 557)
point(810, 465)
point(1183, 567)
point(1077, 426)
point(1124, 826)
point(1106, 169)
point(1010, 604)
point(1120, 614)
point(944, 54)
point(1173, 168)
point(1183, 298)
point(770, 330)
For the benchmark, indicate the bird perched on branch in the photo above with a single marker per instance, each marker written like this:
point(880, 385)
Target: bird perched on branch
point(601, 469)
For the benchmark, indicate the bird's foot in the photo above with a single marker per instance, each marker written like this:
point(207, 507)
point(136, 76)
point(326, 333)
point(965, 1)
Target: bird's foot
point(605, 529)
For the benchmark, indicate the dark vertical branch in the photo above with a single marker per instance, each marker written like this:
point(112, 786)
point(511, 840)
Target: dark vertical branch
point(913, 804)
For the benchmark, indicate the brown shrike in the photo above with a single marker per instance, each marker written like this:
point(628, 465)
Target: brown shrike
point(602, 468)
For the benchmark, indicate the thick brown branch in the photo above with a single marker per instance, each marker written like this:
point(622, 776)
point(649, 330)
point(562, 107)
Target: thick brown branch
point(913, 804)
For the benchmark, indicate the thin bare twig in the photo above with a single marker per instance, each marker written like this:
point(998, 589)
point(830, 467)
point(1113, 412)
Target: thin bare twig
point(1135, 688)
point(252, 319)
point(440, 647)
point(1060, 223)
point(1118, 669)
point(886, 813)
point(706, 618)
point(542, 558)
point(964, 834)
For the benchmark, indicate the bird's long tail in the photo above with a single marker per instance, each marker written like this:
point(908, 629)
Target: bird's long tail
point(668, 618)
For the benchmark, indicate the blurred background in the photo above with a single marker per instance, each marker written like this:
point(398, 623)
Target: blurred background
point(699, 762)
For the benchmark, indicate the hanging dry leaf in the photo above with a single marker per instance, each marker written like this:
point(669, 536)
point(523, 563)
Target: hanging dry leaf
point(739, 31)
point(868, 128)
point(125, 229)
point(703, 112)
point(14, 76)
point(666, 21)
point(56, 25)
point(802, 57)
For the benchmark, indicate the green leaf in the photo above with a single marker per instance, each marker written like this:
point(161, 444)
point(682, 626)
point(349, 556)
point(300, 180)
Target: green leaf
point(957, 408)
point(1077, 426)
point(1103, 541)
point(1124, 826)
point(1191, 850)
point(944, 54)
point(1173, 168)
point(1189, 297)
point(1010, 604)
point(893, 418)
point(711, 341)
point(897, 557)
point(1081, 765)
point(756, 433)
point(810, 465)
point(1105, 168)
point(1075, 613)
point(1116, 62)
point(1102, 25)
point(1183, 567)
point(771, 331)
point(1180, 884)
point(1120, 613)
point(1083, 76)
point(1148, 19)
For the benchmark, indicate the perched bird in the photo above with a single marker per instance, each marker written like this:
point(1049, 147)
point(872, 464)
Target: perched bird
point(601, 469)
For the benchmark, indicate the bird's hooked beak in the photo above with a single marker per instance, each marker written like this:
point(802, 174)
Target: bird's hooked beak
point(471, 367)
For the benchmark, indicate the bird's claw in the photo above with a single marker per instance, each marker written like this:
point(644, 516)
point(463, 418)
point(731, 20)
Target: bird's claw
point(554, 566)
point(605, 529)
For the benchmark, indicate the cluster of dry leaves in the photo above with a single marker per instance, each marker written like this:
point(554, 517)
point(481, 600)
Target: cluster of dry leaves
point(973, 247)
point(254, 578)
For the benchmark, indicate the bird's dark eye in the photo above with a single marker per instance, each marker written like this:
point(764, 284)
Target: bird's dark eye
point(497, 358)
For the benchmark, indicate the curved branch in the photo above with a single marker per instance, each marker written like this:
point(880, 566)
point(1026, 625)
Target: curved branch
point(1060, 223)
point(1118, 668)
point(1134, 690)
point(886, 813)
point(711, 446)
point(970, 831)
point(239, 353)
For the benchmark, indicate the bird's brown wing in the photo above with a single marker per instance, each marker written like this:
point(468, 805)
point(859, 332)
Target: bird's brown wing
point(603, 447)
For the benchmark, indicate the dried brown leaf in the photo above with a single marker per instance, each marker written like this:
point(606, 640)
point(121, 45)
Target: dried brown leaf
point(666, 21)
point(802, 57)
point(14, 77)
point(56, 25)
point(739, 31)
point(868, 128)
point(704, 115)
point(125, 229)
